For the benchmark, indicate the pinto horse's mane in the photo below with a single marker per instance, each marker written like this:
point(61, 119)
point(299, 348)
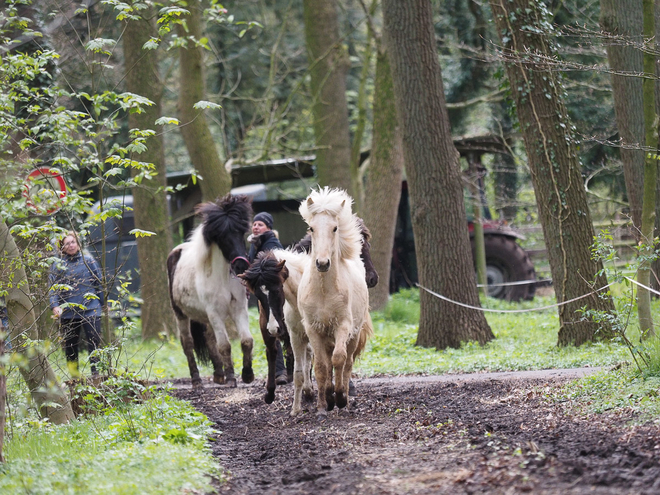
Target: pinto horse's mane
point(337, 203)
point(224, 217)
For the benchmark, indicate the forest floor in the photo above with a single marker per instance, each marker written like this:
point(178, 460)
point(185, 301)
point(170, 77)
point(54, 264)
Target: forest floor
point(479, 433)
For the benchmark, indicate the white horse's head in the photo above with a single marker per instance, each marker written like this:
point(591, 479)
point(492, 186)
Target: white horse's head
point(332, 226)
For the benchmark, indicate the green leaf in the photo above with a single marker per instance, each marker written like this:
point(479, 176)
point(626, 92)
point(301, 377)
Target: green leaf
point(152, 44)
point(141, 233)
point(167, 121)
point(203, 105)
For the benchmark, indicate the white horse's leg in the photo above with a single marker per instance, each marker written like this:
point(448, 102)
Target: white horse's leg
point(239, 313)
point(189, 350)
point(300, 346)
point(323, 372)
point(339, 361)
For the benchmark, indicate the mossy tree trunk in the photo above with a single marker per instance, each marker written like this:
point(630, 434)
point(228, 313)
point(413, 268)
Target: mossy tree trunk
point(650, 173)
point(554, 167)
point(329, 64)
point(194, 126)
point(44, 388)
point(150, 200)
point(442, 243)
point(622, 22)
point(383, 179)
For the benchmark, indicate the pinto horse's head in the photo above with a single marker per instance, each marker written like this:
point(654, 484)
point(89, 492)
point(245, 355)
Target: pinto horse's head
point(226, 223)
point(265, 279)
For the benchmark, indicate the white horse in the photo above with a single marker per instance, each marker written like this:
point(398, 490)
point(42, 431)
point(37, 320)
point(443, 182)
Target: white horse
point(333, 298)
point(206, 296)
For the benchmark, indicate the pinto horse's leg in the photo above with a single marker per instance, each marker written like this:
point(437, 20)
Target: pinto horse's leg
point(239, 313)
point(188, 349)
point(214, 354)
point(224, 348)
point(339, 362)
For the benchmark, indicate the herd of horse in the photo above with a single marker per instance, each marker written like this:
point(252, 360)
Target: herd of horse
point(313, 297)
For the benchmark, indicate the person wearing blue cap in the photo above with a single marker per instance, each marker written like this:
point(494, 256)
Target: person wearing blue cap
point(264, 238)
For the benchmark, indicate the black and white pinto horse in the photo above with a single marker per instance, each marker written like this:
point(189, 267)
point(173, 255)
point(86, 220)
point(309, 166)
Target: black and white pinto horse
point(207, 298)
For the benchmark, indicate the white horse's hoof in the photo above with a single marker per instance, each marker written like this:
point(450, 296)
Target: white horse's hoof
point(232, 383)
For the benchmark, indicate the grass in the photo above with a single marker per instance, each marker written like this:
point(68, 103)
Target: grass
point(139, 441)
point(158, 447)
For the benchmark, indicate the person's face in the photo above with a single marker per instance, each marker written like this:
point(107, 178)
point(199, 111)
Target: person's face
point(259, 227)
point(70, 245)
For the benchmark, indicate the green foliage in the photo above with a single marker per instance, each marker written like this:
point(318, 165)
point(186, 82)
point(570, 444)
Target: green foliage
point(623, 389)
point(644, 352)
point(158, 447)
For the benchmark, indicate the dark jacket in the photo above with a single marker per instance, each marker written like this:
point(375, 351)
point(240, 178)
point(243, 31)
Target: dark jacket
point(73, 272)
point(265, 242)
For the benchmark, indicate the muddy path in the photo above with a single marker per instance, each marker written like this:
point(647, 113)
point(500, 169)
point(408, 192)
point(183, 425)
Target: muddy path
point(446, 435)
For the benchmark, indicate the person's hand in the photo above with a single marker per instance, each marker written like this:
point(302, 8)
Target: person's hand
point(57, 311)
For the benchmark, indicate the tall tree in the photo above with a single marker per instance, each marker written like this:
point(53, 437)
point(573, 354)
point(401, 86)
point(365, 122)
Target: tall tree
point(650, 171)
point(328, 66)
point(621, 21)
point(39, 376)
point(149, 200)
point(194, 126)
point(383, 177)
point(554, 166)
point(438, 214)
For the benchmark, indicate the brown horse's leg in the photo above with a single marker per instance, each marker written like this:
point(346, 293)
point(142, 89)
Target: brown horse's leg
point(271, 356)
point(188, 349)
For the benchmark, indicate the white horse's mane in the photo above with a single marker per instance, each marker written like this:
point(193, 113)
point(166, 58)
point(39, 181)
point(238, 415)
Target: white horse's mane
point(294, 260)
point(337, 203)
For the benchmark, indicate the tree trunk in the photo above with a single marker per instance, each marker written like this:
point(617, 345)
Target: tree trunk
point(442, 243)
point(650, 175)
point(329, 65)
point(150, 199)
point(46, 392)
point(554, 167)
point(622, 20)
point(3, 395)
point(194, 127)
point(383, 180)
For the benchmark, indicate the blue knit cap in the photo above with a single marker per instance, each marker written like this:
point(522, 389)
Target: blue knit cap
point(264, 217)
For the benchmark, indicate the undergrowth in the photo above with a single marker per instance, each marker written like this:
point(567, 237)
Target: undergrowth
point(156, 447)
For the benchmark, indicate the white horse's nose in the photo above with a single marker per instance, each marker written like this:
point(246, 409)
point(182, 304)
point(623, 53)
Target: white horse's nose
point(323, 265)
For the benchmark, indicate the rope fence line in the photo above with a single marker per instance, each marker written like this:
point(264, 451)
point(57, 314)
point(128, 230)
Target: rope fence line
point(519, 282)
point(642, 285)
point(488, 310)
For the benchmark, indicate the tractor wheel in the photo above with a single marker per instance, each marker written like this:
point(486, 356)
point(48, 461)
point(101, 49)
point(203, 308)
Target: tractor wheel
point(507, 262)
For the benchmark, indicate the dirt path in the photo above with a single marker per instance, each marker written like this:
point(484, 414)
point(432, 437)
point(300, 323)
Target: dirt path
point(484, 433)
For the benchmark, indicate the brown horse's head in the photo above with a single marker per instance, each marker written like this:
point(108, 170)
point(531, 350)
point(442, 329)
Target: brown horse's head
point(265, 279)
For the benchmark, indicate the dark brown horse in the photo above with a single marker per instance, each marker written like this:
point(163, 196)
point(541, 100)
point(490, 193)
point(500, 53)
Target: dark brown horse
point(265, 279)
point(205, 294)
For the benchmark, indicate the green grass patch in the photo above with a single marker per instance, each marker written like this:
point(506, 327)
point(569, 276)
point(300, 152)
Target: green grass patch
point(618, 389)
point(523, 341)
point(157, 447)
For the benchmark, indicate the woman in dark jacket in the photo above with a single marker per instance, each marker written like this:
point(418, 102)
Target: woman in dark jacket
point(76, 299)
point(264, 238)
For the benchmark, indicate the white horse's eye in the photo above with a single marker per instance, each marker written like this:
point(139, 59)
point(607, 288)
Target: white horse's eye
point(311, 229)
point(335, 229)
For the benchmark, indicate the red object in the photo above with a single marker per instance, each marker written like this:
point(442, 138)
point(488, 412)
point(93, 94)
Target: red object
point(44, 190)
